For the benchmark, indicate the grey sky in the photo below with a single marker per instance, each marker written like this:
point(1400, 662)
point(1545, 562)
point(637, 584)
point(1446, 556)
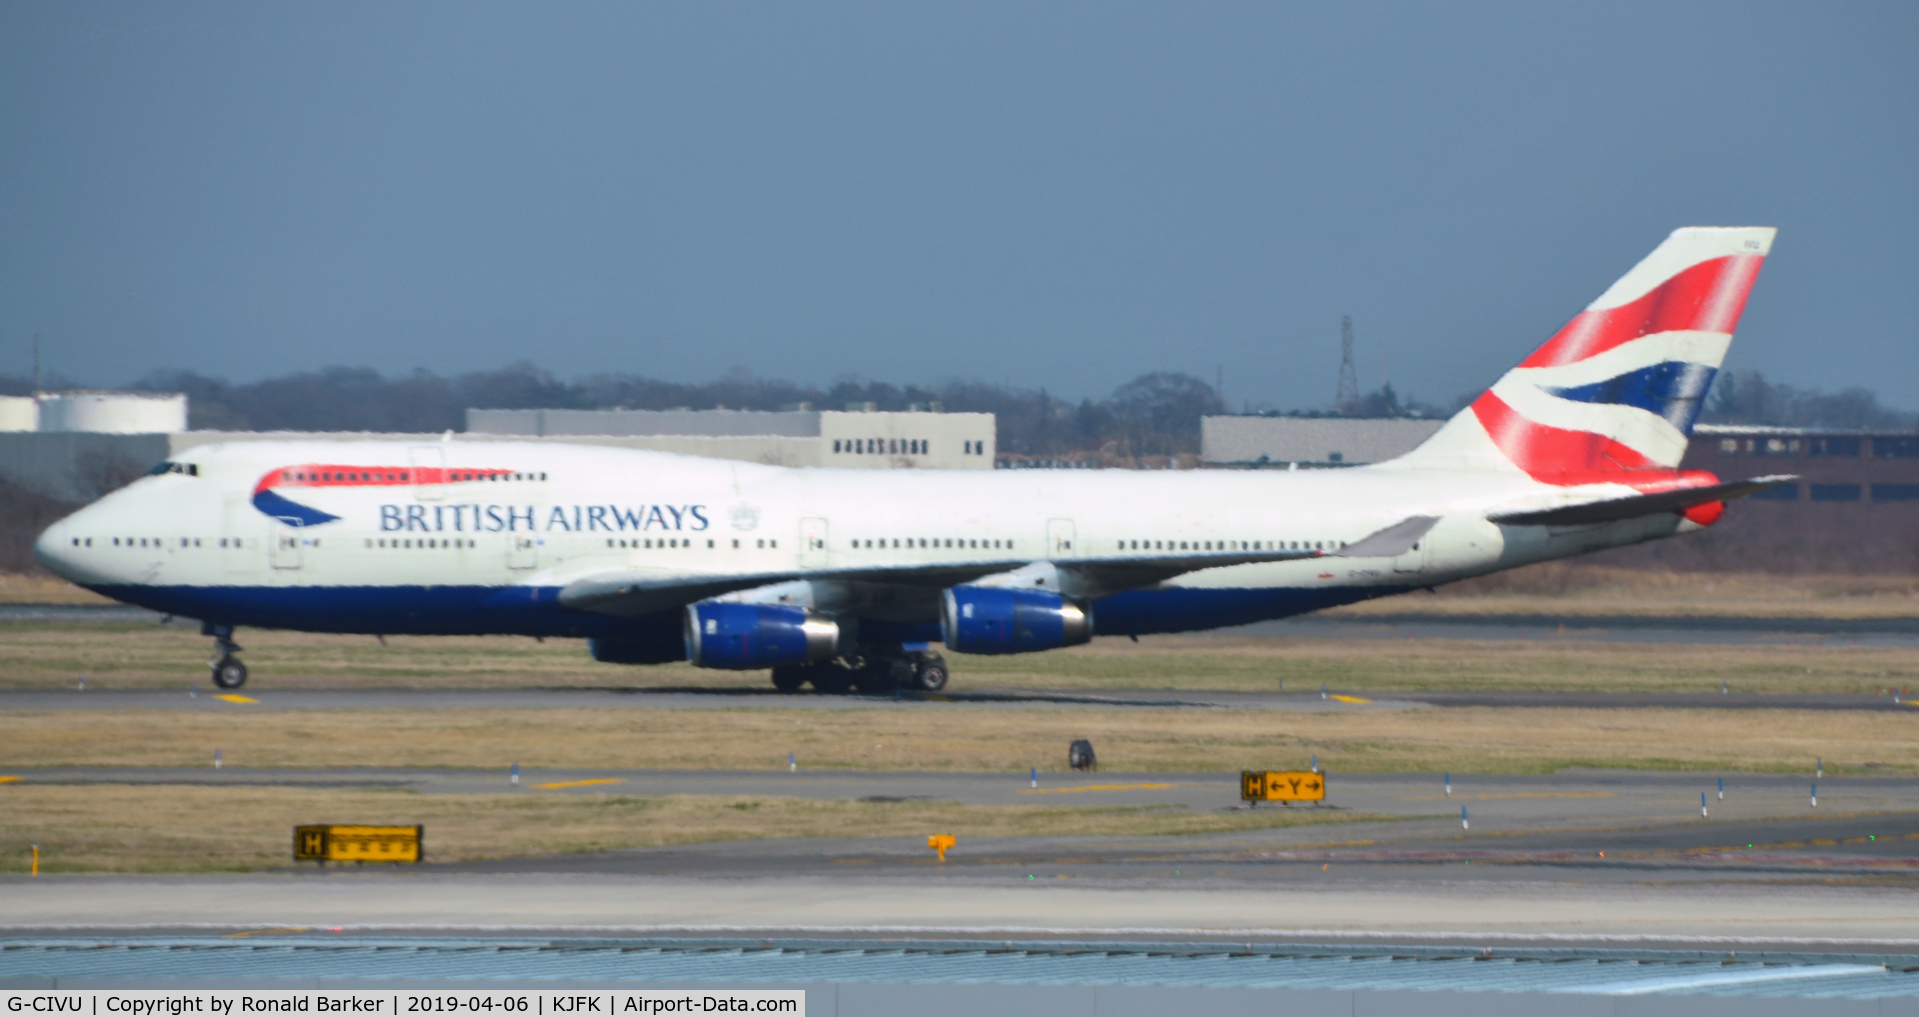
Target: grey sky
point(1059, 195)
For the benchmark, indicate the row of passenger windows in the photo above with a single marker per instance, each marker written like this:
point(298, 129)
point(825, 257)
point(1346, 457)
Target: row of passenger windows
point(1230, 545)
point(401, 476)
point(1124, 545)
point(165, 542)
point(143, 542)
point(1822, 492)
point(666, 543)
point(881, 446)
point(330, 475)
point(965, 542)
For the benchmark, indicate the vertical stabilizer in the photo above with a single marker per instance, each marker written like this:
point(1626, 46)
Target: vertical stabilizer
point(1616, 390)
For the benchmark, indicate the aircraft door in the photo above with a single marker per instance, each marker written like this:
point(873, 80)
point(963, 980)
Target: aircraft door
point(1059, 538)
point(812, 543)
point(285, 550)
point(428, 464)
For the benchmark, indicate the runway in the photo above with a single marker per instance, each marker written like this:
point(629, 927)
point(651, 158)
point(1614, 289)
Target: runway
point(196, 698)
point(1620, 829)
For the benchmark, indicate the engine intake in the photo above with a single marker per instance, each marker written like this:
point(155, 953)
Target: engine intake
point(743, 637)
point(990, 619)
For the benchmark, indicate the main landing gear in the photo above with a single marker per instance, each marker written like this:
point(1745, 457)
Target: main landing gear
point(877, 671)
point(228, 671)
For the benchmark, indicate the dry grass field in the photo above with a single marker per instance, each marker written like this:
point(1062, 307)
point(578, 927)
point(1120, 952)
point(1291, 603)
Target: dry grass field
point(172, 828)
point(38, 588)
point(1578, 590)
point(135, 655)
point(971, 738)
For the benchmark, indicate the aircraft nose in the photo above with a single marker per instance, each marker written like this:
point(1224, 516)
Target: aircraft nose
point(55, 550)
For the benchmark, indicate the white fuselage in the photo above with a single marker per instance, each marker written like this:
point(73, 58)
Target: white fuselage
point(386, 536)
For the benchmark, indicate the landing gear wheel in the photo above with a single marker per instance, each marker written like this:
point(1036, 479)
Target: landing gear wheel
point(789, 679)
point(930, 674)
point(883, 676)
point(229, 673)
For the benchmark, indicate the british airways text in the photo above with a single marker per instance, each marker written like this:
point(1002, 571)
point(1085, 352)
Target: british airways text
point(515, 518)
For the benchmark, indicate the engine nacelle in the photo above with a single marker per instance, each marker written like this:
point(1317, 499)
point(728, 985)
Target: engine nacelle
point(742, 637)
point(992, 619)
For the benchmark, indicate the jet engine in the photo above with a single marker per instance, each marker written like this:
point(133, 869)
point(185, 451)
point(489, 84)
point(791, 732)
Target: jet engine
point(742, 637)
point(991, 619)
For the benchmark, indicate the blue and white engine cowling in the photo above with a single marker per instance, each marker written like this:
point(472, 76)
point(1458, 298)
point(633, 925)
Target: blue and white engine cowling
point(992, 619)
point(745, 637)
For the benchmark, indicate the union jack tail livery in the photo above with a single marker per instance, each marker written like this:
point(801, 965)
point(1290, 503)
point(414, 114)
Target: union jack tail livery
point(1612, 397)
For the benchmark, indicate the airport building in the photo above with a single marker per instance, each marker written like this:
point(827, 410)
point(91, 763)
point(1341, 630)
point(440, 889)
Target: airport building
point(1308, 442)
point(857, 439)
point(76, 446)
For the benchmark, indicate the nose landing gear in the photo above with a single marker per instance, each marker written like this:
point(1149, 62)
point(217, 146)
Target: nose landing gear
point(228, 671)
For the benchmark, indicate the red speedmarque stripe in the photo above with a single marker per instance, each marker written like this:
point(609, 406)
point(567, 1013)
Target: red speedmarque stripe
point(1708, 297)
point(1553, 455)
point(323, 475)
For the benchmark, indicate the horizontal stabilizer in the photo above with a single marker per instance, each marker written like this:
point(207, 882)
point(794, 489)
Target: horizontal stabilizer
point(1630, 507)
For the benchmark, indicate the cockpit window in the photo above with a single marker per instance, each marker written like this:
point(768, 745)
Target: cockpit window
point(186, 469)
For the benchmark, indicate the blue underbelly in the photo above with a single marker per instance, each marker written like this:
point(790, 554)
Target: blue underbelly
point(536, 611)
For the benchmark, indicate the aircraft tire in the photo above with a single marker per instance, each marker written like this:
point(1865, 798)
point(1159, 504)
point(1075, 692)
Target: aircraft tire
point(931, 674)
point(789, 679)
point(229, 673)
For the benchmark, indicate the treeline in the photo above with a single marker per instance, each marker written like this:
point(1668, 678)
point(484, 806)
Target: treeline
point(1746, 397)
point(1154, 414)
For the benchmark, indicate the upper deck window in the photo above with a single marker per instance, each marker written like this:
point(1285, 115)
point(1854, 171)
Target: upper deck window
point(169, 466)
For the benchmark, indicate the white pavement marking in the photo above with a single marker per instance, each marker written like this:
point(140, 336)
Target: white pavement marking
point(445, 901)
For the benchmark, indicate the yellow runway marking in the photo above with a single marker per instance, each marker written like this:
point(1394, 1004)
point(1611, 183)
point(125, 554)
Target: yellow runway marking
point(1092, 787)
point(580, 783)
point(1351, 699)
point(8, 780)
point(263, 932)
point(232, 698)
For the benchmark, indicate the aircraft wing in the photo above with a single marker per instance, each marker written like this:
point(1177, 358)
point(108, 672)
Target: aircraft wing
point(1124, 573)
point(631, 594)
point(1609, 509)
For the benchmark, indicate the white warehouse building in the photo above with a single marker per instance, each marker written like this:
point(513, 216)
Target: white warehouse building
point(857, 439)
point(113, 412)
point(1309, 441)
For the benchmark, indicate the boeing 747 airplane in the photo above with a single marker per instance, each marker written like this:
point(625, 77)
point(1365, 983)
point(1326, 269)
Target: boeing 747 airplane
point(844, 578)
